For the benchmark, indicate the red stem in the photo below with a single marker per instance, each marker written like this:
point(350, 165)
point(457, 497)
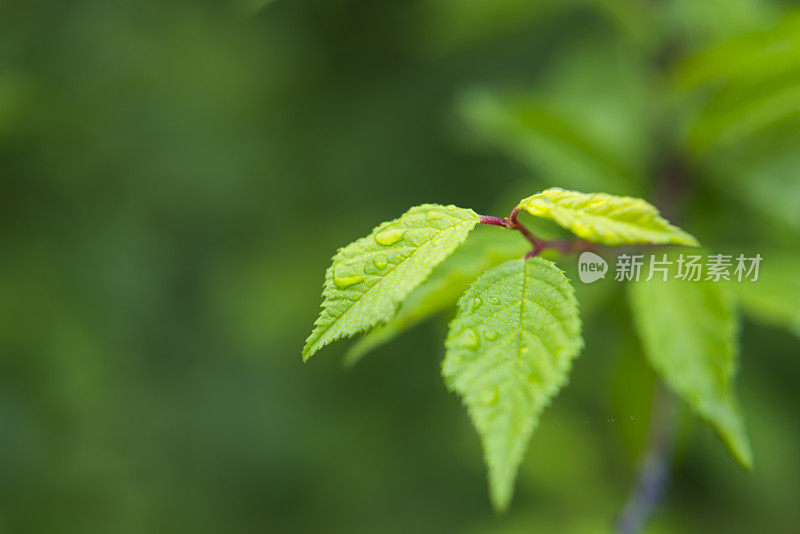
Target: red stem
point(494, 221)
point(512, 223)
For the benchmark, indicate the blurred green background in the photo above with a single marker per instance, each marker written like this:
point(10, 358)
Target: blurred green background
point(175, 176)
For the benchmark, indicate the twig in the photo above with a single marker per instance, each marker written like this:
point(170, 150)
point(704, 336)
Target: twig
point(494, 221)
point(512, 223)
point(653, 476)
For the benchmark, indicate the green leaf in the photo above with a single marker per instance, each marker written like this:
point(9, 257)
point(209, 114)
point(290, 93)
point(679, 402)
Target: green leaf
point(761, 174)
point(551, 143)
point(603, 218)
point(688, 330)
point(737, 116)
point(481, 251)
point(712, 20)
point(509, 351)
point(741, 87)
point(585, 123)
point(773, 298)
point(748, 59)
point(369, 278)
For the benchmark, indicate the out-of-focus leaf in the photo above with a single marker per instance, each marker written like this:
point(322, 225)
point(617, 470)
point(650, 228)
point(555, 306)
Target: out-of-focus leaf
point(746, 59)
point(741, 113)
point(509, 351)
point(603, 218)
point(369, 278)
point(447, 25)
point(711, 20)
point(481, 251)
point(775, 297)
point(583, 128)
point(688, 330)
point(533, 131)
point(742, 86)
point(763, 174)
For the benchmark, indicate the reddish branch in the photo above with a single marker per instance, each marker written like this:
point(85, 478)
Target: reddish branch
point(512, 223)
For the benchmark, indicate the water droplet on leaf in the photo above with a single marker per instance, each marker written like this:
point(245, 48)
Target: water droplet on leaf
point(434, 216)
point(491, 335)
point(389, 236)
point(489, 397)
point(471, 339)
point(475, 304)
point(381, 261)
point(343, 282)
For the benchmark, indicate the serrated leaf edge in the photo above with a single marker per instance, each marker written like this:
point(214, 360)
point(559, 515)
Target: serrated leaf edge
point(672, 234)
point(310, 348)
point(499, 502)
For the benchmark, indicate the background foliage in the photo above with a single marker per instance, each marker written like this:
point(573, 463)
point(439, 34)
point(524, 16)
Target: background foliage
point(176, 176)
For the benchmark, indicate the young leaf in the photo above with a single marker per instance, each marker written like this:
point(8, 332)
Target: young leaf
point(481, 251)
point(509, 350)
point(369, 278)
point(688, 330)
point(603, 218)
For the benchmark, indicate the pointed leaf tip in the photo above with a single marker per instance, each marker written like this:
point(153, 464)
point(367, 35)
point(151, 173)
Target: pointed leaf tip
point(688, 331)
point(368, 279)
point(509, 352)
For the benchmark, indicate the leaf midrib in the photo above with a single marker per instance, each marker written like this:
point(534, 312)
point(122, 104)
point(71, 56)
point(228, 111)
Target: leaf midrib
point(668, 230)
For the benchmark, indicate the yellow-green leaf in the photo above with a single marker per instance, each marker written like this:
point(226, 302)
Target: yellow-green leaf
point(481, 251)
point(604, 218)
point(369, 278)
point(509, 351)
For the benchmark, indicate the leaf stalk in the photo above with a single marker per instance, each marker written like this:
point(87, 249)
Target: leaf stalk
point(565, 246)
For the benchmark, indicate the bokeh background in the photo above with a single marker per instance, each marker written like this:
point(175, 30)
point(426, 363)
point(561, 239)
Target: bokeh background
point(175, 176)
